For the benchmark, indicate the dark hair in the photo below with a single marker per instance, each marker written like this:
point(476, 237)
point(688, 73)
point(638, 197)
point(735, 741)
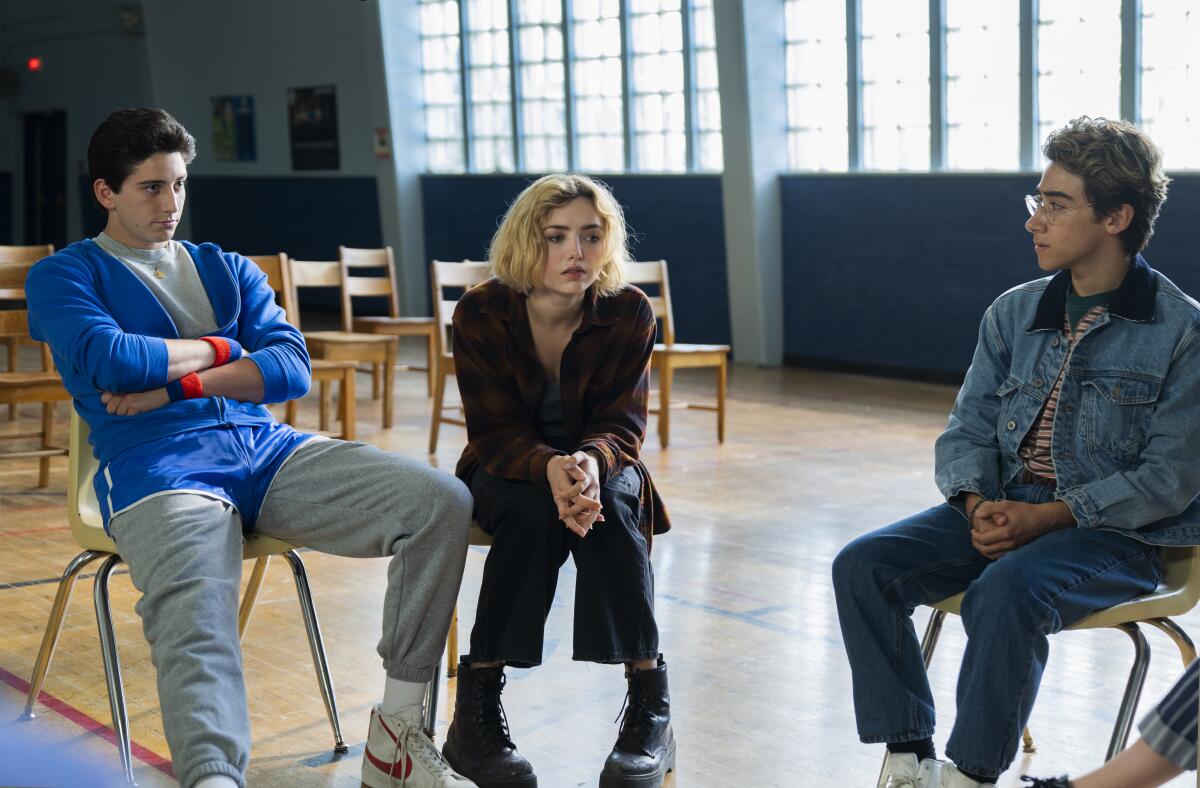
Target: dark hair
point(128, 137)
point(1119, 165)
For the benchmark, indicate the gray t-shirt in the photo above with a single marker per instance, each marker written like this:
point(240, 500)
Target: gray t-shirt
point(171, 275)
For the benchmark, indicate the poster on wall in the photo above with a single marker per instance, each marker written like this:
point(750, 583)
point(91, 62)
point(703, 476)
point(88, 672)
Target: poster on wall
point(312, 124)
point(233, 128)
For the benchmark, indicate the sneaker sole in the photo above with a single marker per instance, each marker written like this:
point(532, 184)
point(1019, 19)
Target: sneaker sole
point(651, 780)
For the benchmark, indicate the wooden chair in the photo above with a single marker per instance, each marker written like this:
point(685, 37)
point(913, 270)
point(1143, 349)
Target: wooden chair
point(670, 355)
point(385, 286)
point(324, 372)
point(83, 514)
point(374, 349)
point(18, 255)
point(42, 386)
point(457, 276)
point(1176, 595)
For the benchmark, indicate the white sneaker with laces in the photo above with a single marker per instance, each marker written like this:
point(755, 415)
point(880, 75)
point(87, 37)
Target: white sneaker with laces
point(398, 754)
point(900, 770)
point(951, 777)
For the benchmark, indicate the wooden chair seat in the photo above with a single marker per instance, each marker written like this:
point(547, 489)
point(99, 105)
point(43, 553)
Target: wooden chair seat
point(17, 380)
point(17, 259)
point(670, 355)
point(382, 284)
point(378, 350)
point(324, 372)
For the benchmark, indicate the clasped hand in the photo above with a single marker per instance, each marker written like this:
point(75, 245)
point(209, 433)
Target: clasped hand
point(999, 527)
point(575, 484)
point(134, 403)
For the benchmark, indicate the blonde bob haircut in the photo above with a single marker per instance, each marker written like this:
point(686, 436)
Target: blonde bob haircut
point(517, 254)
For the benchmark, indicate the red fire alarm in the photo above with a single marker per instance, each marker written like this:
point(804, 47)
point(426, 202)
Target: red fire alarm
point(34, 64)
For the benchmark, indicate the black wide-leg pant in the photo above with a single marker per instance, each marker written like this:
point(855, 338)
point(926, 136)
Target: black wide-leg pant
point(614, 588)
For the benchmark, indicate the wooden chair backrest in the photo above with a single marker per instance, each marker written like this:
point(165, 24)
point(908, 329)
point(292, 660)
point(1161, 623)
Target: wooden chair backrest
point(313, 273)
point(14, 323)
point(279, 279)
point(353, 285)
point(12, 280)
point(655, 273)
point(458, 276)
point(25, 254)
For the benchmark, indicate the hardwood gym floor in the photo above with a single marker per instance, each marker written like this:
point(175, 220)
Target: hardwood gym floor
point(759, 680)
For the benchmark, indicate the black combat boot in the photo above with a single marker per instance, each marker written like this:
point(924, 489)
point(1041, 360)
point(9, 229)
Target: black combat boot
point(645, 748)
point(477, 745)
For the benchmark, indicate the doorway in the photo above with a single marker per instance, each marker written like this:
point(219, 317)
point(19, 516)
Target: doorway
point(46, 178)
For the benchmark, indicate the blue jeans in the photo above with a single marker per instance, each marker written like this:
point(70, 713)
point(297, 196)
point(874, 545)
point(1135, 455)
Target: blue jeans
point(1010, 607)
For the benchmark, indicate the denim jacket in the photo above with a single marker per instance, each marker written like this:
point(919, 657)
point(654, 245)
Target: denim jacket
point(1126, 438)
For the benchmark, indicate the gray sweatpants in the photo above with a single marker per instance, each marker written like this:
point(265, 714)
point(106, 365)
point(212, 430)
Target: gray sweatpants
point(184, 553)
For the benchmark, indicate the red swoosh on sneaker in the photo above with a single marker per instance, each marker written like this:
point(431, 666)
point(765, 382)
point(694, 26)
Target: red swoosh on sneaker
point(391, 769)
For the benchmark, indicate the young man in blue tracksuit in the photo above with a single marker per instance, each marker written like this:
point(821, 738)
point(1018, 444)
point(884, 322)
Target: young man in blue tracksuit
point(171, 351)
point(1069, 459)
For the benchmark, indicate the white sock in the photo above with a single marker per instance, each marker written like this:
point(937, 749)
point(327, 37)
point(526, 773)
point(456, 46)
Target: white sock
point(402, 697)
point(217, 781)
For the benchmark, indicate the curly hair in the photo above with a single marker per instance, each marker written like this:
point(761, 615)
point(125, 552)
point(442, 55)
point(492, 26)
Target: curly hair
point(517, 254)
point(1119, 165)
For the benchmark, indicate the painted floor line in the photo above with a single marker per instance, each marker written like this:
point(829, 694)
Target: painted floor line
point(88, 723)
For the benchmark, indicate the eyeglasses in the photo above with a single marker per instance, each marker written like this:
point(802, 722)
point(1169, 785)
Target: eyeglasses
point(1034, 203)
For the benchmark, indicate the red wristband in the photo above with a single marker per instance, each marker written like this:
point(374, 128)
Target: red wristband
point(220, 347)
point(192, 387)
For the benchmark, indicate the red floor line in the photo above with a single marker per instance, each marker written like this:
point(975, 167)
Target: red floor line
point(88, 723)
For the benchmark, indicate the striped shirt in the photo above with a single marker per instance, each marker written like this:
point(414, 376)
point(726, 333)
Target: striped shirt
point(1170, 730)
point(1035, 448)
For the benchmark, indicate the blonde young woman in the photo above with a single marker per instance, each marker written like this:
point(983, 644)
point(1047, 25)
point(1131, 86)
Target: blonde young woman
point(552, 357)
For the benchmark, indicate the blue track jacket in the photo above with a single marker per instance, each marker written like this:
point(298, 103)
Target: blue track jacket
point(106, 331)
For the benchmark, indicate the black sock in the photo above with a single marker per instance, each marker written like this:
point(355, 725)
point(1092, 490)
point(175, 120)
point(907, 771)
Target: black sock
point(922, 748)
point(977, 778)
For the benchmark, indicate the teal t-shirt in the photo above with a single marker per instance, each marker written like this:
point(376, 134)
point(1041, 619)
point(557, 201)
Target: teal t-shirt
point(1078, 306)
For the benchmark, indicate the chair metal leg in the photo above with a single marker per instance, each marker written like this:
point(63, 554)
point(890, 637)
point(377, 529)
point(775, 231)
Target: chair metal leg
point(722, 385)
point(54, 627)
point(932, 630)
point(431, 701)
point(112, 664)
point(1133, 690)
point(248, 599)
point(452, 645)
point(1187, 649)
point(317, 646)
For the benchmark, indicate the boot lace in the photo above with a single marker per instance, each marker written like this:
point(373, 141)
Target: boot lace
point(491, 719)
point(637, 723)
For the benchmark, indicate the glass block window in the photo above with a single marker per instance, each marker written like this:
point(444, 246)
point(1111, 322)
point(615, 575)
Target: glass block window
point(983, 89)
point(1079, 61)
point(543, 85)
point(441, 77)
point(491, 86)
point(710, 155)
point(658, 103)
point(895, 84)
point(1171, 80)
point(815, 41)
point(597, 80)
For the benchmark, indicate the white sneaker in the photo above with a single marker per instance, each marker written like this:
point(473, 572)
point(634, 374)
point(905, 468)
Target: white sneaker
point(901, 770)
point(951, 777)
point(399, 755)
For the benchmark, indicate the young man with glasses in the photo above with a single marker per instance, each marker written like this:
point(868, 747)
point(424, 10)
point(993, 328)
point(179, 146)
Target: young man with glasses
point(1069, 459)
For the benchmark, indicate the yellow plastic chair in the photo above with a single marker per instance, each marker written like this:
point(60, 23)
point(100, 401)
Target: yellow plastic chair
point(83, 513)
point(1176, 595)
